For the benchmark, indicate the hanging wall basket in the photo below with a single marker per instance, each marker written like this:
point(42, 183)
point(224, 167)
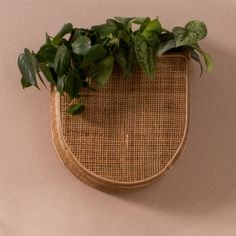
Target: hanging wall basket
point(131, 132)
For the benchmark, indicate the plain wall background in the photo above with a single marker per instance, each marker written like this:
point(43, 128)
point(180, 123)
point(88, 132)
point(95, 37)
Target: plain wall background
point(38, 196)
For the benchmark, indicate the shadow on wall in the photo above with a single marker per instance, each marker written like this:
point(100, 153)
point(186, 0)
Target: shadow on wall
point(204, 177)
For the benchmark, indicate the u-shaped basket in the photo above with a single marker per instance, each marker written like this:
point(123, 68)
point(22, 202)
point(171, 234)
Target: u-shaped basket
point(132, 130)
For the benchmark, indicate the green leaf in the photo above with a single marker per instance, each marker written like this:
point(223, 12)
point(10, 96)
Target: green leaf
point(73, 84)
point(105, 30)
point(48, 39)
point(208, 60)
point(62, 60)
point(46, 53)
point(47, 73)
point(125, 36)
point(76, 33)
point(102, 70)
point(126, 59)
point(152, 26)
point(132, 59)
point(152, 38)
point(196, 57)
point(61, 84)
point(193, 32)
point(138, 20)
point(198, 28)
point(123, 20)
point(182, 38)
point(76, 109)
point(114, 41)
point(145, 55)
point(165, 46)
point(81, 45)
point(166, 36)
point(127, 21)
point(144, 24)
point(53, 73)
point(93, 54)
point(67, 28)
point(25, 83)
point(35, 62)
point(56, 41)
point(28, 67)
point(121, 59)
point(150, 31)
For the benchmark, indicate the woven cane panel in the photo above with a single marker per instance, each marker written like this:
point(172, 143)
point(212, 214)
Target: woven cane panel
point(131, 128)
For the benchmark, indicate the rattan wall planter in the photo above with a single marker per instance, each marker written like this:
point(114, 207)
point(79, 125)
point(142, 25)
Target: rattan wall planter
point(131, 132)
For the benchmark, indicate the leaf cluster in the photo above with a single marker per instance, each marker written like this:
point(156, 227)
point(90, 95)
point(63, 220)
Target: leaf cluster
point(77, 58)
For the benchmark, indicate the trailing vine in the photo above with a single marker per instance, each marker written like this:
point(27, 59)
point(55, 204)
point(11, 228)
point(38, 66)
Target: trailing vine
point(76, 58)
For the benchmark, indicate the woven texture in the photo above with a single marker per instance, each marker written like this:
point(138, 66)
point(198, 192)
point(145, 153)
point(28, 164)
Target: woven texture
point(131, 129)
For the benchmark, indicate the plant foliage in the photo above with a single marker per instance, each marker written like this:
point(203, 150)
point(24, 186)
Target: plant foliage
point(78, 58)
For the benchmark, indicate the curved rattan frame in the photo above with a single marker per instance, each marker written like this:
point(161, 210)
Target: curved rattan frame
point(91, 178)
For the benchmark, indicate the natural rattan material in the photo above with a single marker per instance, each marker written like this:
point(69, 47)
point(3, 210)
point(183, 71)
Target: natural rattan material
point(131, 131)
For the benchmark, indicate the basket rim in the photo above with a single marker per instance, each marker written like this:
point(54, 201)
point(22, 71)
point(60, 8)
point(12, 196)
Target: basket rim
point(58, 138)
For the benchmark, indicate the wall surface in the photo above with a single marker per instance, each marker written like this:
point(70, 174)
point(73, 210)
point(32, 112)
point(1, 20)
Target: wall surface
point(38, 196)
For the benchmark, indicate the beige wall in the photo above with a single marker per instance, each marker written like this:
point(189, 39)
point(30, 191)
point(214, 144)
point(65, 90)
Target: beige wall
point(38, 196)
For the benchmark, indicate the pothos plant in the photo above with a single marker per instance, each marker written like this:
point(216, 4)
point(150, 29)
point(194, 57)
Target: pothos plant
point(77, 58)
